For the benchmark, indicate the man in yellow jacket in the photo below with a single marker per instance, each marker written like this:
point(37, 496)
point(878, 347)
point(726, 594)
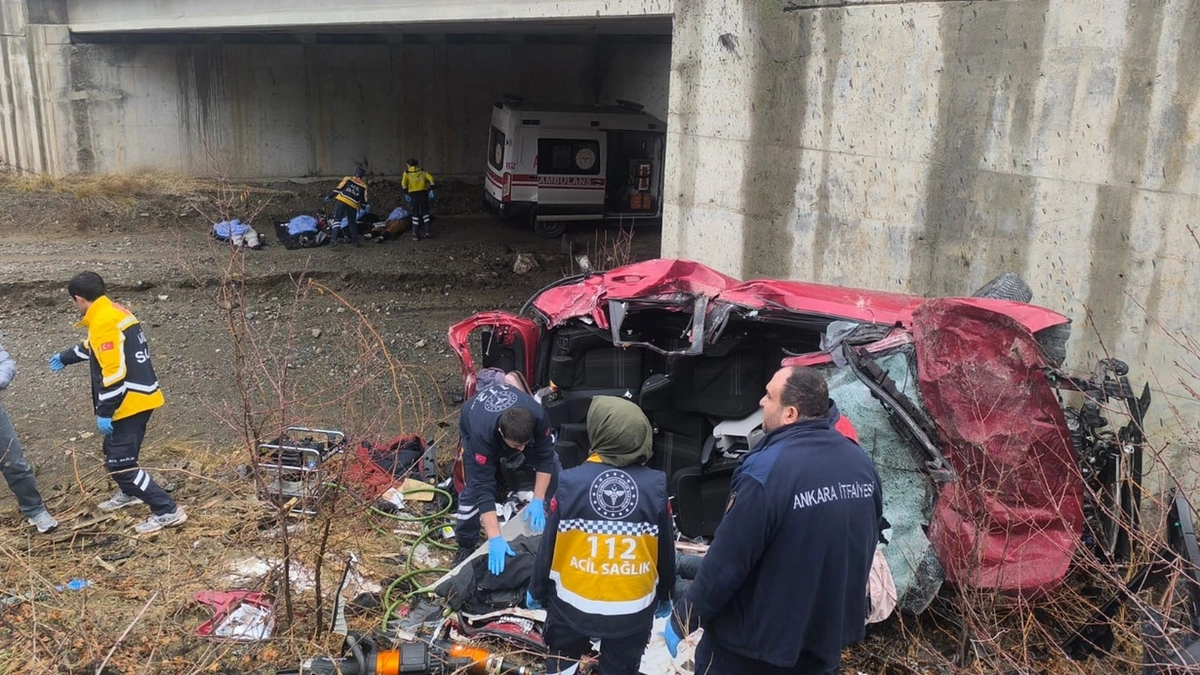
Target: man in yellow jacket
point(125, 392)
point(418, 190)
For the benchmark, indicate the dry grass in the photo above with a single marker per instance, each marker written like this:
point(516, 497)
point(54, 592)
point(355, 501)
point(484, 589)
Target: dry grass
point(145, 585)
point(121, 194)
point(73, 631)
point(109, 186)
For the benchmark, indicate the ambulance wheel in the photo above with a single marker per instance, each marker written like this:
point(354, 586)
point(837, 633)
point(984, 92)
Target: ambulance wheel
point(550, 229)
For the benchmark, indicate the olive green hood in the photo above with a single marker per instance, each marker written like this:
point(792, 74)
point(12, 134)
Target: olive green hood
point(619, 431)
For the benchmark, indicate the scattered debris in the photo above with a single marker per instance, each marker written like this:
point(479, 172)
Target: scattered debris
point(316, 332)
point(238, 616)
point(584, 264)
point(416, 490)
point(13, 597)
point(525, 263)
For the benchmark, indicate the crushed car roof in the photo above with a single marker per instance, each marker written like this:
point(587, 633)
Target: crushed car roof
point(673, 279)
point(1008, 510)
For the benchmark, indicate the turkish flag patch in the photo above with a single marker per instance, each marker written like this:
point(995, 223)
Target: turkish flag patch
point(480, 459)
point(106, 346)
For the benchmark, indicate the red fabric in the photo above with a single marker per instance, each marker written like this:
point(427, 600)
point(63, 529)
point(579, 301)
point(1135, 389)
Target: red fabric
point(846, 428)
point(366, 478)
point(1013, 518)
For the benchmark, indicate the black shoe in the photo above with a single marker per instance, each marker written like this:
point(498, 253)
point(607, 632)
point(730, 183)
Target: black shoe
point(462, 554)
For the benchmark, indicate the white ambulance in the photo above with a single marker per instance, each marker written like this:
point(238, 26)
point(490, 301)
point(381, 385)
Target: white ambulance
point(551, 165)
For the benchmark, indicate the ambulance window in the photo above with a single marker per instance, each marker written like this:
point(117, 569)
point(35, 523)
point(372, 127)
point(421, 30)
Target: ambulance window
point(496, 149)
point(568, 156)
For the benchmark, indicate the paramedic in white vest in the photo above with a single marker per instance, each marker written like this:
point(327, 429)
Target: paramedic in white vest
point(606, 565)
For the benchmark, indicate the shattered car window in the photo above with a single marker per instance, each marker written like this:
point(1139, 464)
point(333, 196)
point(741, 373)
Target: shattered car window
point(907, 490)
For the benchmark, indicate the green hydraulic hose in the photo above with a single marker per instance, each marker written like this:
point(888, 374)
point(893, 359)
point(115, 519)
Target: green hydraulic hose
point(430, 527)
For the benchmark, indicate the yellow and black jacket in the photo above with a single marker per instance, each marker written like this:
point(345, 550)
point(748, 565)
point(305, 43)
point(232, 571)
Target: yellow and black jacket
point(352, 191)
point(416, 179)
point(123, 380)
point(607, 557)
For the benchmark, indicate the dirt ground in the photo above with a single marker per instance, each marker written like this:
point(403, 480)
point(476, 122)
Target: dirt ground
point(158, 260)
point(243, 343)
point(344, 338)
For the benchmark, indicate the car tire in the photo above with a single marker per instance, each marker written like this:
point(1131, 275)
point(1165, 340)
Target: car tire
point(1053, 339)
point(1007, 286)
point(550, 229)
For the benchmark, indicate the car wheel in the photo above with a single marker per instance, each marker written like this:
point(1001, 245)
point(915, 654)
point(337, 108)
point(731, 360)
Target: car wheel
point(550, 229)
point(1007, 286)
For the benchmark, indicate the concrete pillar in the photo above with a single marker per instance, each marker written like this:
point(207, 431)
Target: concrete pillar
point(36, 125)
point(928, 147)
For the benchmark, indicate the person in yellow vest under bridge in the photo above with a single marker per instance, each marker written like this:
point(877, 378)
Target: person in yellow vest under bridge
point(606, 565)
point(351, 197)
point(418, 190)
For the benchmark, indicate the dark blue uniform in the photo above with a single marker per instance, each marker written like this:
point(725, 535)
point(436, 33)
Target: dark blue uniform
point(783, 586)
point(488, 462)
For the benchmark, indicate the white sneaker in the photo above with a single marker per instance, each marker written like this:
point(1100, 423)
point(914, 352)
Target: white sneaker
point(43, 521)
point(156, 523)
point(118, 501)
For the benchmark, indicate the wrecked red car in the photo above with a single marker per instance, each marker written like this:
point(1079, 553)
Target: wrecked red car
point(990, 479)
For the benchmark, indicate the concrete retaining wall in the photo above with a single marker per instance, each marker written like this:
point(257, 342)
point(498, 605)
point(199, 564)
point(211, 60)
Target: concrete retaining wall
point(927, 147)
point(30, 65)
point(278, 110)
point(156, 15)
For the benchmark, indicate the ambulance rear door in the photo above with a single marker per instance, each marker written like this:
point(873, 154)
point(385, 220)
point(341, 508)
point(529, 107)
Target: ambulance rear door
point(570, 174)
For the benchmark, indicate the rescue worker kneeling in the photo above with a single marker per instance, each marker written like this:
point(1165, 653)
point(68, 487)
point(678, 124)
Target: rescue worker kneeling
point(606, 564)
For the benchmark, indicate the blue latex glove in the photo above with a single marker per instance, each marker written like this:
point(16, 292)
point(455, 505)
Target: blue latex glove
point(498, 550)
point(535, 515)
point(672, 639)
point(408, 198)
point(56, 363)
point(663, 609)
point(104, 424)
point(530, 603)
point(431, 194)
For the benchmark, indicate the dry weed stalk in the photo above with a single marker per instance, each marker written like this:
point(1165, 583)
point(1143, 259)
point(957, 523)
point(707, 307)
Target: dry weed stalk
point(284, 377)
point(980, 631)
point(611, 250)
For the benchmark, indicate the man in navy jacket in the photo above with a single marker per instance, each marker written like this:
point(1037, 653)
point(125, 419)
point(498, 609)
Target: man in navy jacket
point(782, 588)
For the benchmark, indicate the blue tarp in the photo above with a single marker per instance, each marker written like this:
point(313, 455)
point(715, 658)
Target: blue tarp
point(229, 228)
point(302, 224)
